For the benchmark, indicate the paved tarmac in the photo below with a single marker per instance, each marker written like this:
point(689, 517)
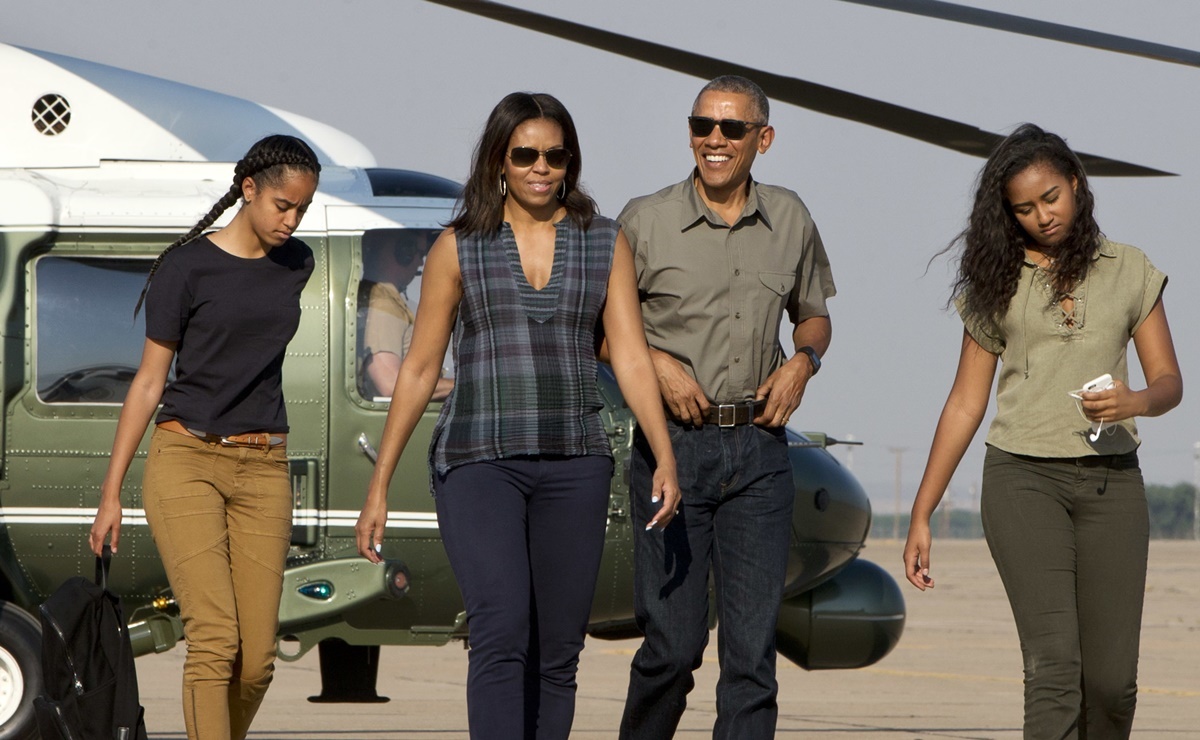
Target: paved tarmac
point(955, 674)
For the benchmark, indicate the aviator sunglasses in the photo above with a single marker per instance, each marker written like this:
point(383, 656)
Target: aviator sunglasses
point(527, 156)
point(731, 128)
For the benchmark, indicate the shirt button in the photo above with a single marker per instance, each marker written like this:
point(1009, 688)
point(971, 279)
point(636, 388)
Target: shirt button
point(737, 315)
point(737, 272)
point(736, 360)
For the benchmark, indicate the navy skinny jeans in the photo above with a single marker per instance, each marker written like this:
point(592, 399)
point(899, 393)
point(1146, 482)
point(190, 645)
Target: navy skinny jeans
point(524, 537)
point(737, 518)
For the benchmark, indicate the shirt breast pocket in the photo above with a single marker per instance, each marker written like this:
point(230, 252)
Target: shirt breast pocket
point(779, 283)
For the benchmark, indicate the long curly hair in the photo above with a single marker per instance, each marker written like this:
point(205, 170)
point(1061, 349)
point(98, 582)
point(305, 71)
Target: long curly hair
point(481, 206)
point(267, 161)
point(993, 244)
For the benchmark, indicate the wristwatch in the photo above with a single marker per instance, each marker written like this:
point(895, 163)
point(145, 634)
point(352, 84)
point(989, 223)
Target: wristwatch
point(813, 357)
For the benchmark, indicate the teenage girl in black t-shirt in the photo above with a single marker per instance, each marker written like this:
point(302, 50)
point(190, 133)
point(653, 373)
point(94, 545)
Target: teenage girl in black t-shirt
point(222, 307)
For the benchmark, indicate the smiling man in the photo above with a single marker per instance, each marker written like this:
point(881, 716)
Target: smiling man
point(719, 260)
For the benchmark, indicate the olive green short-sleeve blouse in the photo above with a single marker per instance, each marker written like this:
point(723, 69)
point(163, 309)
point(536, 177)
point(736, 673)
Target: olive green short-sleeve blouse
point(1043, 356)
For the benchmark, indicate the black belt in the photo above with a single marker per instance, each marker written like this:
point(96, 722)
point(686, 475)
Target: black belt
point(734, 414)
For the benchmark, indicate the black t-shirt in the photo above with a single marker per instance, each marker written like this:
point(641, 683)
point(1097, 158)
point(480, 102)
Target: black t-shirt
point(232, 319)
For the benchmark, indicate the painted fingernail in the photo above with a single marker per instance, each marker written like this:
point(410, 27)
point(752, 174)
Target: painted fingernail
point(654, 499)
point(378, 547)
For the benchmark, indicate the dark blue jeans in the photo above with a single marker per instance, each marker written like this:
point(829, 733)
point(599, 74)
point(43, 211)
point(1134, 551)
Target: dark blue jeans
point(736, 518)
point(524, 537)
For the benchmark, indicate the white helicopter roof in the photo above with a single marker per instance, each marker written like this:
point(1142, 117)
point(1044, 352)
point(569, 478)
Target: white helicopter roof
point(58, 111)
point(97, 147)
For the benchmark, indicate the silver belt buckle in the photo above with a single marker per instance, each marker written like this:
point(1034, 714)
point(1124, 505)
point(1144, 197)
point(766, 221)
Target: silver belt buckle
point(722, 416)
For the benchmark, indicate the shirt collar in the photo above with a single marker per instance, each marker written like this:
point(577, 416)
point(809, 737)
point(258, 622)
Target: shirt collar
point(695, 209)
point(1106, 249)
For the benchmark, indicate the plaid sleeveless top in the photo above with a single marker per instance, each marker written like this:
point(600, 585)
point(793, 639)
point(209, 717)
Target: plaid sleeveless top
point(525, 359)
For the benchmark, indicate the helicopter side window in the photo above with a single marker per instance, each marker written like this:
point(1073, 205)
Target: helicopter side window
point(388, 295)
point(87, 345)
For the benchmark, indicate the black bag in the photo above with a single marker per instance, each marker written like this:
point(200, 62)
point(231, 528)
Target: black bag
point(87, 664)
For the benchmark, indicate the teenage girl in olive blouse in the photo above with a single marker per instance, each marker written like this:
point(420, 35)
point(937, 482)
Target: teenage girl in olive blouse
point(1052, 302)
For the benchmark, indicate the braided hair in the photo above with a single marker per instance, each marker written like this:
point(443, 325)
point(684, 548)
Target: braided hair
point(266, 163)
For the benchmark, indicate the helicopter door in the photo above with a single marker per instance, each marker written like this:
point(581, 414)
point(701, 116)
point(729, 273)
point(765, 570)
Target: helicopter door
point(381, 288)
point(82, 349)
point(375, 271)
point(306, 390)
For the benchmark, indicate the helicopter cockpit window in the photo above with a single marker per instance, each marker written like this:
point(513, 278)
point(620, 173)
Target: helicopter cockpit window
point(388, 295)
point(87, 343)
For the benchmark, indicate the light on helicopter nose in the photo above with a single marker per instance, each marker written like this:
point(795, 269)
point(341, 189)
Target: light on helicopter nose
point(322, 590)
point(398, 579)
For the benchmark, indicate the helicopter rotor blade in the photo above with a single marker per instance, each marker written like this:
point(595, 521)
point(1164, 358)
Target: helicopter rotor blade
point(914, 124)
point(1040, 29)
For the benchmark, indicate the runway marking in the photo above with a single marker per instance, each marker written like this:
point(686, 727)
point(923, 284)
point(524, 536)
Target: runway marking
point(1169, 692)
point(1182, 693)
point(945, 676)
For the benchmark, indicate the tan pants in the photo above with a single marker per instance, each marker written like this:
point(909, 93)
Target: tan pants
point(221, 518)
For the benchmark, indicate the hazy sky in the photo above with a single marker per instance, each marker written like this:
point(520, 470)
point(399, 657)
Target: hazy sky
point(415, 81)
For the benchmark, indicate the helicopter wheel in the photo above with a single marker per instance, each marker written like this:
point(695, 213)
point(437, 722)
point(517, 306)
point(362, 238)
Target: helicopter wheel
point(20, 672)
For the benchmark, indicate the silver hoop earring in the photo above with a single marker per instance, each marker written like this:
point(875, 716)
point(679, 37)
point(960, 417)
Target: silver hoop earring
point(503, 187)
point(562, 191)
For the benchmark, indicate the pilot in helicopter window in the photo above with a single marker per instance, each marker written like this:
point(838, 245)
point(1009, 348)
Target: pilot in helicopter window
point(387, 302)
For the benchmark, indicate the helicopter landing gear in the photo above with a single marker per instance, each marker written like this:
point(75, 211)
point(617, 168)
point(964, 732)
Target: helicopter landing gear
point(20, 672)
point(348, 673)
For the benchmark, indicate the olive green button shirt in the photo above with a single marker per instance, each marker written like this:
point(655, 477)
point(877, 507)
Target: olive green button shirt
point(712, 294)
point(1043, 356)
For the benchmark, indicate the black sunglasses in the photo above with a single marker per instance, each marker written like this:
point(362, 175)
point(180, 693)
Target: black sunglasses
point(731, 128)
point(527, 156)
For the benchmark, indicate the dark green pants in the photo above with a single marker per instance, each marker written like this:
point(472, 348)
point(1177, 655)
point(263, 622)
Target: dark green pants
point(1070, 537)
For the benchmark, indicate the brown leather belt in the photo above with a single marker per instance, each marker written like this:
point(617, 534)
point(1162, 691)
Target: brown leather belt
point(734, 414)
point(259, 440)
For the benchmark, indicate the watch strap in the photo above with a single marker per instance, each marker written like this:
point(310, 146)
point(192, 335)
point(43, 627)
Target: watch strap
point(813, 357)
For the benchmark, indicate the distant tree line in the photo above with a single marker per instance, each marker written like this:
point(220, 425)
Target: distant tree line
point(1171, 511)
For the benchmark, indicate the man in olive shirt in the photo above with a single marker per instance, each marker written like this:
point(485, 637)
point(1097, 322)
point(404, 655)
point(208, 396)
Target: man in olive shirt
point(719, 258)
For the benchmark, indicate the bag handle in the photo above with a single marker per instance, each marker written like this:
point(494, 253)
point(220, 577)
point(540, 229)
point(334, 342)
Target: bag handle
point(102, 564)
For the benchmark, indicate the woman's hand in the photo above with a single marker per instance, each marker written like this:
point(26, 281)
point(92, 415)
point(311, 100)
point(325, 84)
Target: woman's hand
point(107, 521)
point(141, 402)
point(916, 555)
point(964, 410)
point(1114, 404)
point(368, 532)
point(665, 488)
